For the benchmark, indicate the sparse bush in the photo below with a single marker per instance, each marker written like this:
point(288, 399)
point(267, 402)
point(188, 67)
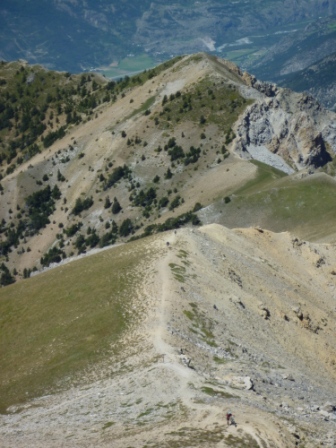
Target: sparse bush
point(117, 174)
point(81, 205)
point(107, 239)
point(176, 153)
point(72, 230)
point(175, 202)
point(40, 205)
point(145, 198)
point(26, 273)
point(163, 202)
point(60, 176)
point(92, 240)
point(54, 255)
point(197, 207)
point(126, 228)
point(6, 277)
point(192, 156)
point(164, 100)
point(116, 207)
point(56, 193)
point(202, 119)
point(107, 203)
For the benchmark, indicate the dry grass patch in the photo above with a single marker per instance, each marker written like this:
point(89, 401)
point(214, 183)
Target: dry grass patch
point(57, 324)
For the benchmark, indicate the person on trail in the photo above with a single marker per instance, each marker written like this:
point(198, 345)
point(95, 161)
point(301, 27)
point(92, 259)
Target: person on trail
point(228, 417)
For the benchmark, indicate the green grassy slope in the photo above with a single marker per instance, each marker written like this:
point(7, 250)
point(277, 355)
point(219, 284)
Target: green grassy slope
point(305, 207)
point(58, 324)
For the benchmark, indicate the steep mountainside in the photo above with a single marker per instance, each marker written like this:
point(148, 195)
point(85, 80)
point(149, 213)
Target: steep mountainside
point(152, 343)
point(319, 79)
point(165, 149)
point(301, 60)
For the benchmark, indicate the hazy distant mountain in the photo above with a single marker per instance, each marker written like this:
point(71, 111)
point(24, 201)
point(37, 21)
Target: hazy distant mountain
point(303, 60)
point(76, 34)
point(319, 79)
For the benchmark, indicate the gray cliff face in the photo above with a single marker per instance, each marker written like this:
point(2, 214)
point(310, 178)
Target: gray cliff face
point(284, 125)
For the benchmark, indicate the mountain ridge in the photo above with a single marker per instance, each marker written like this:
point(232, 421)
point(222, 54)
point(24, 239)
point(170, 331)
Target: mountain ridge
point(225, 298)
point(153, 156)
point(222, 297)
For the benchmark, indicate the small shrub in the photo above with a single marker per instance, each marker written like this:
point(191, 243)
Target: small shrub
point(116, 207)
point(168, 174)
point(72, 230)
point(82, 205)
point(197, 207)
point(163, 202)
point(175, 202)
point(126, 228)
point(107, 203)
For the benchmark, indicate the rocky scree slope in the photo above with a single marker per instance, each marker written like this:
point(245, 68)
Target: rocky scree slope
point(239, 320)
point(287, 124)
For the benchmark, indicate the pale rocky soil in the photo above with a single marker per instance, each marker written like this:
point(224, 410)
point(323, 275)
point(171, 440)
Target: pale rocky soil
point(279, 123)
point(101, 141)
point(268, 350)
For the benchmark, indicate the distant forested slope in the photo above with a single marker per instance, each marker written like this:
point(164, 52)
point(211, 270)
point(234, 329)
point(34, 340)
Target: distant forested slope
point(79, 35)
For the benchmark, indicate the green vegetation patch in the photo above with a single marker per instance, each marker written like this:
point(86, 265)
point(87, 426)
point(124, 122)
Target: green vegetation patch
point(37, 106)
point(178, 271)
point(219, 360)
point(143, 108)
point(281, 203)
point(169, 224)
point(201, 324)
point(216, 393)
point(207, 102)
point(192, 436)
point(265, 176)
point(55, 326)
point(241, 442)
point(108, 425)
